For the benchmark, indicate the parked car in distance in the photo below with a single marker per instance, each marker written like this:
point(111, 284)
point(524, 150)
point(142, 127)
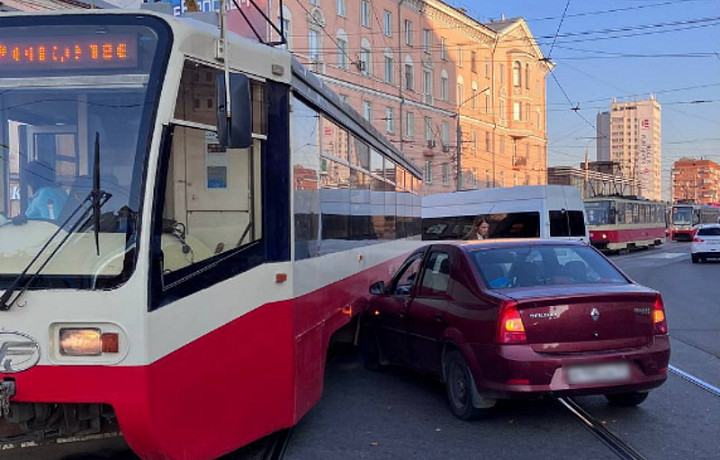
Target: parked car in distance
point(705, 243)
point(512, 318)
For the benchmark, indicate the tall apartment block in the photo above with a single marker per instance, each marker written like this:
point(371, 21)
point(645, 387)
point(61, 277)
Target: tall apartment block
point(630, 135)
point(696, 181)
point(464, 100)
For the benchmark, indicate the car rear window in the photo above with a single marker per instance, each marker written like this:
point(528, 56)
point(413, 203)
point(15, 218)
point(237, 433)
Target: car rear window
point(712, 231)
point(534, 265)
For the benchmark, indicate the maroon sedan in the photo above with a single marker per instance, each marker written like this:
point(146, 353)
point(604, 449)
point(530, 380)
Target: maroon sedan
point(514, 318)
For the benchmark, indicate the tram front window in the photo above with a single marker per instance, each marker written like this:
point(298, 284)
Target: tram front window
point(76, 103)
point(682, 216)
point(597, 212)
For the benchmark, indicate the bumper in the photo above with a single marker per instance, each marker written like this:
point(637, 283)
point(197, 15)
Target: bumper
point(512, 371)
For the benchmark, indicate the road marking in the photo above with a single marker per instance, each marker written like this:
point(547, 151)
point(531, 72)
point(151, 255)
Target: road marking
point(665, 255)
point(692, 379)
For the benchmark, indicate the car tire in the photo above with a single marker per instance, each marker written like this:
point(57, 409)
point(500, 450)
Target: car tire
point(369, 349)
point(694, 258)
point(630, 399)
point(459, 386)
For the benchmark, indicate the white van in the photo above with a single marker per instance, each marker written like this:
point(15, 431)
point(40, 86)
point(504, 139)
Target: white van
point(531, 211)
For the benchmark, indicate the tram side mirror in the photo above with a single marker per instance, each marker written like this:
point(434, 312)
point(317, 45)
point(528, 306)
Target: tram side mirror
point(235, 131)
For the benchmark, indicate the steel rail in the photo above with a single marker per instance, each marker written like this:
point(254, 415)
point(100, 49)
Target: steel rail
point(617, 445)
point(694, 380)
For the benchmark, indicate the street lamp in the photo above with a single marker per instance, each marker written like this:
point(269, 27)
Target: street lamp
point(458, 132)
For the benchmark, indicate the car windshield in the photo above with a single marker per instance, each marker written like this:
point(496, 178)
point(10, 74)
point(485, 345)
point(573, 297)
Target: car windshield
point(70, 93)
point(709, 231)
point(533, 265)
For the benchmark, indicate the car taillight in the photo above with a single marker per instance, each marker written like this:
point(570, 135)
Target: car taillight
point(510, 328)
point(658, 317)
point(697, 240)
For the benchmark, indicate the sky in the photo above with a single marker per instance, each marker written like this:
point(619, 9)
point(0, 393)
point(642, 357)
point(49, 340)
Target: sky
point(626, 49)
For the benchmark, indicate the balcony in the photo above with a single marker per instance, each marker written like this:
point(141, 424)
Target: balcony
point(519, 162)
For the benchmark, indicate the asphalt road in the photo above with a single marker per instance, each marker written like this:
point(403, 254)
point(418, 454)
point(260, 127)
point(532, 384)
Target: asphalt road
point(397, 414)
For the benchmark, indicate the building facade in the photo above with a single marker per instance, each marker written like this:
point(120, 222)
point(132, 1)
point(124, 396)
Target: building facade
point(634, 135)
point(463, 100)
point(598, 179)
point(696, 181)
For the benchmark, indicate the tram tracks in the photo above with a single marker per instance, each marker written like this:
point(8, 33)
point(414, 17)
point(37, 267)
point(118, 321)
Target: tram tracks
point(621, 448)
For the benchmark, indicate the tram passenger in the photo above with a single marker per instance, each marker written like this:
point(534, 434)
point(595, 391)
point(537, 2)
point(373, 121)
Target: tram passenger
point(480, 229)
point(48, 198)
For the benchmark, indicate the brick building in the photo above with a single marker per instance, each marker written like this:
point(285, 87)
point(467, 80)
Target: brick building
point(696, 181)
point(451, 93)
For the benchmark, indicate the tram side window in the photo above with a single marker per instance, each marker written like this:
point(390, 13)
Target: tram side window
point(306, 179)
point(212, 194)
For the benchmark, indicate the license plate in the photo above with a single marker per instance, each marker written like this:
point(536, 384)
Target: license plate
point(598, 373)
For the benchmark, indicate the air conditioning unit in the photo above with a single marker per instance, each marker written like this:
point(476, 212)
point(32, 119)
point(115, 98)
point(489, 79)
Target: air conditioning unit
point(317, 66)
point(446, 148)
point(431, 144)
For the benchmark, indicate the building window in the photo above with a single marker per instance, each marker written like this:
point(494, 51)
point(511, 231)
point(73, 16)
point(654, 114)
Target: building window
point(389, 67)
point(387, 23)
point(473, 62)
point(427, 83)
point(365, 13)
point(474, 96)
point(443, 49)
point(502, 110)
point(502, 179)
point(390, 119)
point(502, 73)
point(428, 172)
point(487, 178)
point(487, 68)
point(365, 58)
point(409, 76)
point(426, 40)
point(446, 174)
point(487, 102)
point(444, 87)
point(527, 76)
point(517, 111)
point(444, 132)
point(487, 142)
point(459, 57)
point(284, 24)
point(367, 110)
point(408, 33)
point(314, 44)
point(460, 91)
point(342, 45)
point(517, 74)
point(410, 124)
point(474, 141)
point(341, 8)
point(428, 129)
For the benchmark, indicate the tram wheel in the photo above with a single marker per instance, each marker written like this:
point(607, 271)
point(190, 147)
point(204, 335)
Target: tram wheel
point(369, 349)
point(459, 386)
point(631, 399)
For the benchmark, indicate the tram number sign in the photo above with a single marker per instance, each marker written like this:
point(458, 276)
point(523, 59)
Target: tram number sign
point(56, 53)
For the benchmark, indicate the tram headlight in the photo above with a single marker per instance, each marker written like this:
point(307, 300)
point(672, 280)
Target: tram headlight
point(87, 342)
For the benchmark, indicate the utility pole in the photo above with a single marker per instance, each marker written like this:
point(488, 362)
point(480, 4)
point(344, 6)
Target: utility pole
point(458, 151)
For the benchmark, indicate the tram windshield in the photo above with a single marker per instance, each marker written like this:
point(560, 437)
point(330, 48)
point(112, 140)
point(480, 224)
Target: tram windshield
point(682, 216)
point(71, 93)
point(598, 212)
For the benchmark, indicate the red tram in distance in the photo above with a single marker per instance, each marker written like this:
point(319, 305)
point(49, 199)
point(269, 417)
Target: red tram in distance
point(618, 223)
point(685, 218)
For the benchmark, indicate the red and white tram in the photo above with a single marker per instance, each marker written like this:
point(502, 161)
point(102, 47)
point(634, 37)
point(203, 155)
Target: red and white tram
point(181, 280)
point(622, 223)
point(684, 219)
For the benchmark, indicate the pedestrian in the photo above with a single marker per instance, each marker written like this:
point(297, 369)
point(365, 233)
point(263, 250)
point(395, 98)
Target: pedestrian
point(480, 230)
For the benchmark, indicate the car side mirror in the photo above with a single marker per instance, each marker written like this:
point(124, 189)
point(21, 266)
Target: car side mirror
point(234, 121)
point(377, 288)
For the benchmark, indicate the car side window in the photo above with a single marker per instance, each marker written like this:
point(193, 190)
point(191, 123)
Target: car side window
point(407, 276)
point(436, 275)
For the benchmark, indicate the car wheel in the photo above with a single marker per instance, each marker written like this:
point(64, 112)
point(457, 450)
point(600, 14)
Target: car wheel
point(631, 399)
point(459, 386)
point(369, 349)
point(694, 258)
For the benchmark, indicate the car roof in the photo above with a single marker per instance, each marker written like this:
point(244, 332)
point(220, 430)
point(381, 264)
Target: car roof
point(710, 226)
point(472, 245)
